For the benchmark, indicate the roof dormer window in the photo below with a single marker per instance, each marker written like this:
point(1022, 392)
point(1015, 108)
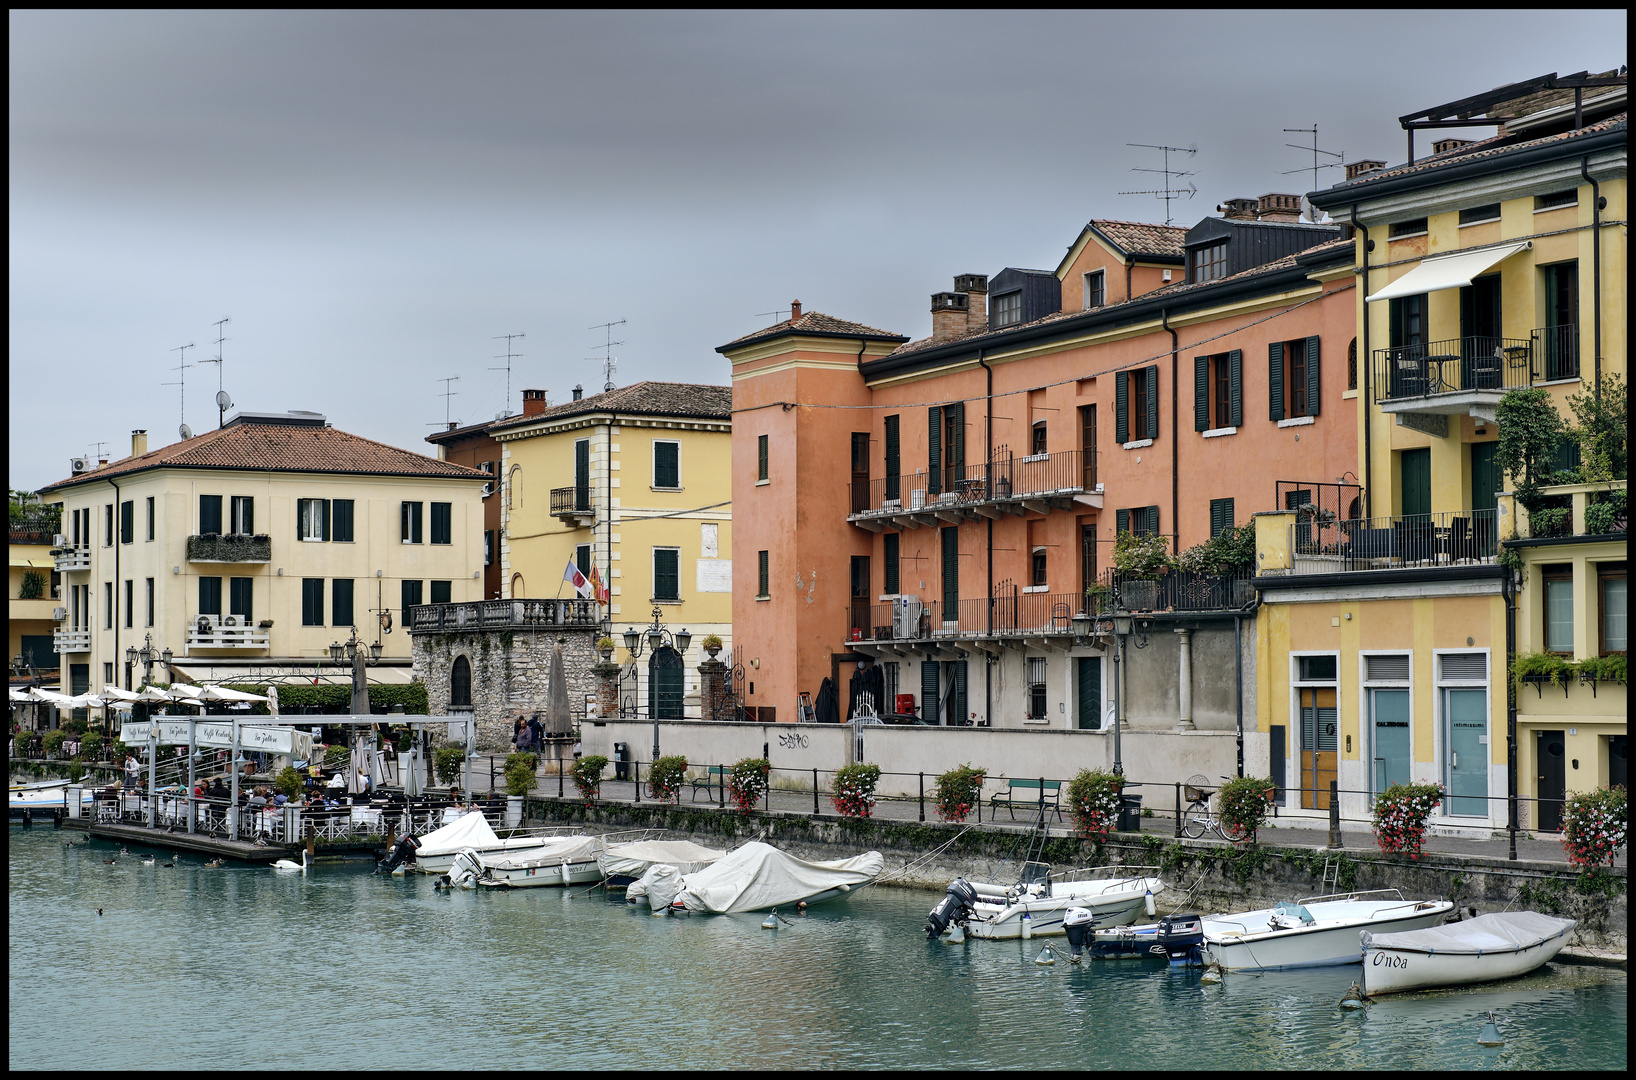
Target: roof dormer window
point(1209, 262)
point(1007, 309)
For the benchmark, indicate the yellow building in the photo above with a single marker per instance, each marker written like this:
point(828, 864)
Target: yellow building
point(1382, 644)
point(32, 593)
point(637, 483)
point(246, 551)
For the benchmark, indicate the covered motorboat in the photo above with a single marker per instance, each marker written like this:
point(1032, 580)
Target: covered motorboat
point(1320, 931)
point(623, 864)
point(559, 860)
point(435, 851)
point(1498, 946)
point(1037, 903)
point(758, 876)
point(657, 887)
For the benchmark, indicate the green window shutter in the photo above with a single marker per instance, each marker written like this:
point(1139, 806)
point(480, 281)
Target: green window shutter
point(1090, 691)
point(666, 466)
point(1215, 517)
point(666, 577)
point(1121, 407)
point(894, 463)
point(761, 573)
point(1153, 521)
point(761, 457)
point(1235, 385)
point(934, 450)
point(324, 524)
point(889, 544)
point(341, 602)
point(342, 521)
point(1153, 402)
point(1275, 380)
point(951, 573)
point(1121, 521)
point(957, 425)
point(928, 690)
point(1314, 396)
point(1201, 393)
point(300, 515)
point(582, 464)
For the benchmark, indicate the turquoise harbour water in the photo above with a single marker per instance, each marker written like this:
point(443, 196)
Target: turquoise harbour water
point(240, 968)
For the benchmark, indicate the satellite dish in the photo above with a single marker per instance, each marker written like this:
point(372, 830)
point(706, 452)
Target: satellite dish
point(1312, 214)
point(222, 400)
point(185, 431)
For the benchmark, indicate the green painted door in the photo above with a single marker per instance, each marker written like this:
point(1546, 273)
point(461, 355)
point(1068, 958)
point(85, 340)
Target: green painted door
point(1417, 481)
point(1468, 761)
point(1391, 750)
point(1485, 486)
point(1088, 672)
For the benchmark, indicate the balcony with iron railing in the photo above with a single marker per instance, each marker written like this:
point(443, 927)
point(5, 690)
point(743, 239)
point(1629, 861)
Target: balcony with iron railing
point(1008, 484)
point(229, 548)
point(502, 615)
point(573, 505)
point(1323, 545)
point(36, 524)
point(234, 632)
point(1450, 377)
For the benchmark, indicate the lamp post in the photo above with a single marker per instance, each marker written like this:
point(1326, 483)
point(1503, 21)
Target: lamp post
point(1087, 628)
point(146, 656)
point(657, 637)
point(357, 651)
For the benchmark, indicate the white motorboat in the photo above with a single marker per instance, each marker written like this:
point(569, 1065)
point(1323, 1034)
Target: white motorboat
point(1037, 903)
point(623, 864)
point(41, 799)
point(562, 860)
point(1319, 931)
point(758, 876)
point(657, 887)
point(434, 852)
point(1498, 946)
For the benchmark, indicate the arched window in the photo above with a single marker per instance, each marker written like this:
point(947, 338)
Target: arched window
point(1352, 365)
point(514, 488)
point(516, 585)
point(460, 683)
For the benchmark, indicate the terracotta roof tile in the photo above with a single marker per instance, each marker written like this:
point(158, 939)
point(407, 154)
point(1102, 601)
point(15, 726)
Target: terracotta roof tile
point(282, 448)
point(1486, 148)
point(1140, 238)
point(815, 322)
point(696, 400)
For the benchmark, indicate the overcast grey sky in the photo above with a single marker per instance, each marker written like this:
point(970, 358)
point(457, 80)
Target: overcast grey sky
point(372, 197)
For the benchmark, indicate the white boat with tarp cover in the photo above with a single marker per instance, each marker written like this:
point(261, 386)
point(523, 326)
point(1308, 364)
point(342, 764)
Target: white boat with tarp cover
point(434, 852)
point(559, 860)
point(623, 864)
point(758, 876)
point(1502, 945)
point(1319, 931)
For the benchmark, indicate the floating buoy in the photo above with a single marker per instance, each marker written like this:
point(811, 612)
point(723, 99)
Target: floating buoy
point(771, 921)
point(1211, 976)
point(1490, 1035)
point(1150, 908)
point(1047, 956)
point(957, 934)
point(1027, 926)
point(1353, 998)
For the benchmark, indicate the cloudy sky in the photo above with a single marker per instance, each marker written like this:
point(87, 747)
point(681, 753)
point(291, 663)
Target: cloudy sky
point(372, 198)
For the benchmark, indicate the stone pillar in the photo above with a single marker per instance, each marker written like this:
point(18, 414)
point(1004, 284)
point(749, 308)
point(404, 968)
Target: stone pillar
point(714, 691)
point(607, 689)
point(1185, 684)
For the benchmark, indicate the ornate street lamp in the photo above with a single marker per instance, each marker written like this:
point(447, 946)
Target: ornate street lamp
point(146, 656)
point(657, 638)
point(359, 652)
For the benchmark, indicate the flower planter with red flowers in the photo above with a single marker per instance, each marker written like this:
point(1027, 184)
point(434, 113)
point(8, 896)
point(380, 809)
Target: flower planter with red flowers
point(748, 783)
point(855, 790)
point(958, 790)
point(1401, 812)
point(1594, 826)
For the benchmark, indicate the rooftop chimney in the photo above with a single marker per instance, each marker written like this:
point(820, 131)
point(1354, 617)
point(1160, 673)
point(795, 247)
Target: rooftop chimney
point(534, 402)
point(949, 314)
point(795, 310)
point(1358, 168)
point(452, 425)
point(139, 442)
point(579, 391)
point(1238, 209)
point(1444, 145)
point(975, 286)
point(1277, 207)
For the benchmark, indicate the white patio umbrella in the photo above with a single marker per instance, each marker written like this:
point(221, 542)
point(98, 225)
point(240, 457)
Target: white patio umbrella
point(19, 694)
point(227, 693)
point(119, 693)
point(51, 697)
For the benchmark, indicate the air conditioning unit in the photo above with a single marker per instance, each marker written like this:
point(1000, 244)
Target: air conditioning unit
point(231, 620)
point(59, 614)
point(59, 540)
point(206, 624)
point(906, 617)
point(79, 464)
point(917, 499)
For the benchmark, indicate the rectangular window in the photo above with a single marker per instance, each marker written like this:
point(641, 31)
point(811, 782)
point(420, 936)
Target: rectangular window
point(1139, 419)
point(1292, 379)
point(241, 598)
point(441, 592)
point(1218, 390)
point(951, 574)
point(1037, 444)
point(1036, 688)
point(130, 602)
point(1412, 227)
point(1487, 212)
point(150, 517)
point(1611, 607)
point(860, 471)
point(1006, 310)
point(243, 509)
point(409, 522)
point(312, 601)
point(488, 547)
point(442, 523)
point(312, 519)
point(582, 558)
point(1557, 199)
point(210, 514)
point(340, 596)
point(108, 525)
point(107, 673)
point(127, 521)
point(1559, 608)
point(1095, 294)
point(667, 579)
point(1209, 262)
point(150, 602)
point(667, 470)
point(889, 674)
point(1139, 521)
point(411, 597)
point(1407, 323)
point(1036, 566)
point(582, 474)
point(761, 576)
point(210, 596)
point(761, 457)
point(894, 459)
point(340, 521)
point(1221, 516)
point(889, 554)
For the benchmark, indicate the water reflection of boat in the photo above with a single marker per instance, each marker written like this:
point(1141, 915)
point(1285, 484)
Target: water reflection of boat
point(758, 876)
point(1502, 945)
point(1039, 900)
point(1318, 931)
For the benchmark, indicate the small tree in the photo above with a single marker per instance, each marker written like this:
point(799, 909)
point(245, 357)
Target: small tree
point(53, 742)
point(520, 772)
point(1600, 429)
point(1530, 429)
point(587, 774)
point(1594, 825)
point(958, 790)
point(447, 762)
point(1093, 799)
point(748, 782)
point(288, 782)
point(855, 790)
point(665, 778)
point(1400, 816)
point(1242, 805)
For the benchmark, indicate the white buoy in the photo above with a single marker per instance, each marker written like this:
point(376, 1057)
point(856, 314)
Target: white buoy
point(1490, 1035)
point(771, 921)
point(1027, 926)
point(1353, 998)
point(1047, 956)
point(1150, 908)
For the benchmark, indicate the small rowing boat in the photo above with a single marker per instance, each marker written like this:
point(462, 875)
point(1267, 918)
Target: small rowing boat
point(1498, 946)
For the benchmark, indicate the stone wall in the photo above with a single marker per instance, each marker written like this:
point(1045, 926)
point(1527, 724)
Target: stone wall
point(509, 672)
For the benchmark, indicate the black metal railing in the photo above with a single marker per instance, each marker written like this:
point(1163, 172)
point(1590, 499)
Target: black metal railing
point(229, 547)
point(1182, 590)
point(1556, 352)
point(1388, 543)
point(507, 614)
point(571, 500)
point(37, 525)
point(1453, 366)
point(1007, 477)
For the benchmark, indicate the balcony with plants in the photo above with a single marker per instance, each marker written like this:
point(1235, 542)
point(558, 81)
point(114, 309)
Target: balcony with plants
point(1452, 376)
point(1558, 499)
point(1007, 484)
point(230, 548)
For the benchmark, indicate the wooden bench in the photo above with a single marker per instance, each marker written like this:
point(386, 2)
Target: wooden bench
point(709, 779)
point(1026, 794)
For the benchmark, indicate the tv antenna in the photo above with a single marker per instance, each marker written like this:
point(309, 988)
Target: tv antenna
point(508, 358)
point(780, 311)
point(448, 392)
point(1313, 131)
point(182, 382)
point(1169, 192)
point(223, 402)
point(607, 357)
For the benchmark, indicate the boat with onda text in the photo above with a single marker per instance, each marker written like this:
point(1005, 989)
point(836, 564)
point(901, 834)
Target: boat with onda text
point(1502, 945)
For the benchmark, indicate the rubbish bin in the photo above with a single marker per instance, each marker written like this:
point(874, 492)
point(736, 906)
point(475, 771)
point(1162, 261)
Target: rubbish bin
point(1130, 813)
point(622, 758)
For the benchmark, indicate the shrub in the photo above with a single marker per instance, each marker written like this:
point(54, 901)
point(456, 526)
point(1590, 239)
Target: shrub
point(33, 586)
point(748, 782)
point(1541, 666)
point(53, 741)
point(958, 790)
point(1231, 551)
point(1603, 668)
point(288, 781)
point(1242, 805)
point(1594, 825)
point(1605, 515)
point(76, 768)
point(1529, 430)
point(587, 774)
point(1093, 799)
point(520, 772)
point(74, 726)
point(855, 790)
point(665, 777)
point(337, 757)
point(91, 746)
point(1141, 557)
point(447, 762)
point(1400, 816)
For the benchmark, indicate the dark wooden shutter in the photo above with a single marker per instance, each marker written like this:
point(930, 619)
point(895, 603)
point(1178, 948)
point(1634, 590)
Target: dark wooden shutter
point(956, 418)
point(1215, 517)
point(1153, 521)
point(300, 515)
point(1121, 521)
point(1314, 388)
point(1121, 407)
point(1235, 388)
point(666, 574)
point(1275, 380)
point(951, 573)
point(934, 450)
point(1153, 402)
point(1201, 393)
point(1089, 677)
point(889, 551)
point(324, 524)
point(928, 690)
point(894, 464)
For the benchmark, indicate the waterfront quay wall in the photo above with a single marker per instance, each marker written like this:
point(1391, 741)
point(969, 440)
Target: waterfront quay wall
point(1199, 875)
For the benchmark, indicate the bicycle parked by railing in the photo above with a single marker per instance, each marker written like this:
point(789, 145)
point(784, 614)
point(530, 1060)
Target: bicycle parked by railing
point(1199, 819)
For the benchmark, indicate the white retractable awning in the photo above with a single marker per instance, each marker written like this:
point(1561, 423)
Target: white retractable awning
point(1452, 271)
point(307, 674)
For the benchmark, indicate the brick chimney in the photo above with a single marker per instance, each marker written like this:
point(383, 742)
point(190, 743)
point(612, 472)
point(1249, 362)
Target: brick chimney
point(139, 442)
point(795, 310)
point(534, 402)
point(579, 391)
point(949, 315)
point(1445, 145)
point(975, 286)
point(1278, 207)
point(1358, 168)
point(1237, 209)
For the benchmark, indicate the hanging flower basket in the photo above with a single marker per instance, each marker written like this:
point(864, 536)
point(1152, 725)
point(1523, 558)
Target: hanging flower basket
point(665, 778)
point(1242, 805)
point(1093, 799)
point(958, 790)
point(1400, 816)
point(1594, 826)
point(748, 783)
point(855, 790)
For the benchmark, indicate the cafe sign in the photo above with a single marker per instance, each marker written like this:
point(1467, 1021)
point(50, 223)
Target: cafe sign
point(267, 740)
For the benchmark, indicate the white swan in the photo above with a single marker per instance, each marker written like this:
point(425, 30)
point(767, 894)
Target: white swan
point(286, 864)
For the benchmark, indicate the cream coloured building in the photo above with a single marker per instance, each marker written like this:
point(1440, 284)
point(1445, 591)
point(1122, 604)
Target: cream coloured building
point(248, 550)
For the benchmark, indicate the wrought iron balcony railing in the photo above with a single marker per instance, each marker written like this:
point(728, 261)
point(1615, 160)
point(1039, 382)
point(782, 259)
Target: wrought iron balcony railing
point(1452, 366)
point(1462, 538)
point(230, 548)
point(502, 614)
point(572, 502)
point(1008, 478)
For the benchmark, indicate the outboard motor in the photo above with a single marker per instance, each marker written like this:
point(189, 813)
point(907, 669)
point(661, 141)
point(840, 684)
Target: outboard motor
point(954, 908)
point(401, 852)
point(1181, 938)
point(467, 868)
point(1079, 924)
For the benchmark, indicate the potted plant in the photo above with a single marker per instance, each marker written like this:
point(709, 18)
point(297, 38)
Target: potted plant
point(265, 624)
point(1093, 799)
point(958, 790)
point(1400, 816)
point(1541, 668)
point(665, 777)
point(1594, 826)
point(288, 782)
point(605, 646)
point(1243, 805)
point(1139, 561)
point(711, 645)
point(855, 790)
point(587, 774)
point(520, 768)
point(447, 762)
point(748, 783)
point(1594, 669)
